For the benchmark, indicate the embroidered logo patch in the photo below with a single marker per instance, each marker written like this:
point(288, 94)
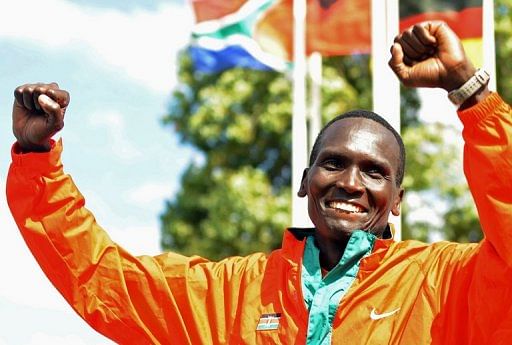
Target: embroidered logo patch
point(268, 322)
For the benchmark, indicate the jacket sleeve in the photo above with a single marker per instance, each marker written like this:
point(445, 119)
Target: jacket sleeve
point(165, 299)
point(471, 283)
point(488, 168)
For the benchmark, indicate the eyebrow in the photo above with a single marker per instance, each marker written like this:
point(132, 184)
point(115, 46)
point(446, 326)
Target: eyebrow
point(373, 159)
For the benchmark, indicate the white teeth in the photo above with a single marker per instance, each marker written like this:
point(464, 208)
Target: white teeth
point(346, 207)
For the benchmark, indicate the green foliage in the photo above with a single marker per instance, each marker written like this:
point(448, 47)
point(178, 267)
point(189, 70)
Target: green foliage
point(237, 118)
point(221, 212)
point(437, 200)
point(238, 201)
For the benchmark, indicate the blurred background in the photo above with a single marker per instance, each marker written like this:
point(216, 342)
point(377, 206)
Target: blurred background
point(170, 156)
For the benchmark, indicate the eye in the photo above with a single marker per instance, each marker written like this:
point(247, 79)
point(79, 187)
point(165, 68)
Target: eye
point(332, 164)
point(376, 171)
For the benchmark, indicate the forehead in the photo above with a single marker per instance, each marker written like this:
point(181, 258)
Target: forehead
point(363, 136)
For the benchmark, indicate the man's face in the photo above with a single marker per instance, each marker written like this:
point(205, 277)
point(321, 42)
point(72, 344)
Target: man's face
point(352, 183)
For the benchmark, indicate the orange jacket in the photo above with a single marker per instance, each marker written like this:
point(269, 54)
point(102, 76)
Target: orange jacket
point(447, 293)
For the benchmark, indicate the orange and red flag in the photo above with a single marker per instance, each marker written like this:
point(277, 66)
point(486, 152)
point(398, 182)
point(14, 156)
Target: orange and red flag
point(333, 27)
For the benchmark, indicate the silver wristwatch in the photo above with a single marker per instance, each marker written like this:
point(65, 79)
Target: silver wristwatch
point(460, 95)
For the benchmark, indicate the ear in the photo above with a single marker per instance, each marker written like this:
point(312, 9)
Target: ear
point(395, 210)
point(303, 190)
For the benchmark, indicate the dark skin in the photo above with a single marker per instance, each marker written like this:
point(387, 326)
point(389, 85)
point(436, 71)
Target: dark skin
point(352, 183)
point(38, 113)
point(431, 55)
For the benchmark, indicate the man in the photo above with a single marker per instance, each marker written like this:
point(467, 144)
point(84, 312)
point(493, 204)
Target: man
point(344, 282)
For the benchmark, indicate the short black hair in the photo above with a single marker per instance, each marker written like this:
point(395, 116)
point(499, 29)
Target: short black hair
point(366, 114)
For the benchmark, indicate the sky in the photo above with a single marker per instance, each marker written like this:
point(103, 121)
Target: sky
point(117, 59)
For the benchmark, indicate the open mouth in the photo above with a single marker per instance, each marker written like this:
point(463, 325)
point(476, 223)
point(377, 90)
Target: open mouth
point(345, 207)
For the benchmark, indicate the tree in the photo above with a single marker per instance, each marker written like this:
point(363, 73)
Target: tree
point(437, 201)
point(238, 201)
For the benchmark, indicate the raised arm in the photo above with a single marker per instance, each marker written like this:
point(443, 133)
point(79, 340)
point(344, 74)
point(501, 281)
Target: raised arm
point(165, 299)
point(431, 55)
point(105, 285)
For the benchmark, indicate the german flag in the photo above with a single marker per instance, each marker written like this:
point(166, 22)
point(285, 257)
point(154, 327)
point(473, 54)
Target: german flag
point(465, 17)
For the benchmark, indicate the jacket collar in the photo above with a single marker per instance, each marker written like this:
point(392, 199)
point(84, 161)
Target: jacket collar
point(294, 240)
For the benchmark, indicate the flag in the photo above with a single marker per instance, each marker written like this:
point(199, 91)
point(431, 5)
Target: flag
point(210, 10)
point(224, 36)
point(333, 27)
point(465, 17)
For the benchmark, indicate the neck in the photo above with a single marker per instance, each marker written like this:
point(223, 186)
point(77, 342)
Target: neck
point(331, 250)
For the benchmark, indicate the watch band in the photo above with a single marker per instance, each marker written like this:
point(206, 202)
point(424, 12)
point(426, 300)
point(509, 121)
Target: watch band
point(460, 95)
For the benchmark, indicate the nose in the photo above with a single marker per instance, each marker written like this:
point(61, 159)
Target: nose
point(350, 180)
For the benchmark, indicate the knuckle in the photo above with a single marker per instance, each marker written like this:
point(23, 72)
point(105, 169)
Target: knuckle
point(18, 91)
point(39, 89)
point(418, 26)
point(28, 89)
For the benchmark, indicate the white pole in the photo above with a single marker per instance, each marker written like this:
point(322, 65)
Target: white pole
point(300, 216)
point(315, 106)
point(386, 88)
point(488, 43)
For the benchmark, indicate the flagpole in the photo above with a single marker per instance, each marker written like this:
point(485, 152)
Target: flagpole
point(385, 85)
point(315, 106)
point(300, 216)
point(488, 44)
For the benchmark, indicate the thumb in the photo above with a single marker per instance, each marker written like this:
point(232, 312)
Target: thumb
point(54, 111)
point(397, 64)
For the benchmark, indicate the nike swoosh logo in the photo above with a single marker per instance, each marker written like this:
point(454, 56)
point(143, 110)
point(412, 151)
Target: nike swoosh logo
point(375, 316)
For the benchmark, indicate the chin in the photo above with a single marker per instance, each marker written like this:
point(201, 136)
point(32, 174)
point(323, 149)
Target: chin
point(338, 230)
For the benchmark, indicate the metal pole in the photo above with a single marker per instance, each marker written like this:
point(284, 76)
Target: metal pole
point(300, 216)
point(315, 106)
point(385, 86)
point(488, 43)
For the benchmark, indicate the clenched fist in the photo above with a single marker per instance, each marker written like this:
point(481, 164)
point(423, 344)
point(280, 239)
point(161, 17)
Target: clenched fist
point(430, 55)
point(37, 114)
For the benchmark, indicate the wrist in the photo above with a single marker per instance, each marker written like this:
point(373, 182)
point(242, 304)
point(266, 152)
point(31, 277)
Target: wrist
point(456, 77)
point(471, 90)
point(22, 147)
point(479, 96)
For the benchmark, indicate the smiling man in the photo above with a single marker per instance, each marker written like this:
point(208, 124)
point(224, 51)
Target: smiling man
point(353, 182)
point(343, 282)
